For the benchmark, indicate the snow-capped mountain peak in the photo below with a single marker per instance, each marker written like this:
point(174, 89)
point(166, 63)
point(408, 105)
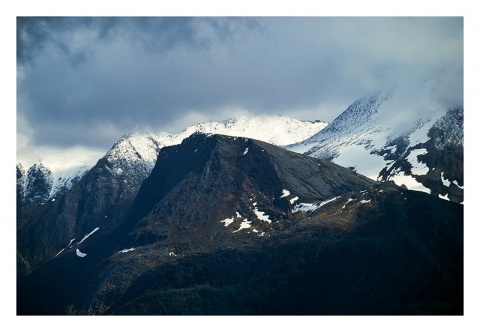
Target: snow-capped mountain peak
point(273, 129)
point(390, 136)
point(139, 150)
point(35, 184)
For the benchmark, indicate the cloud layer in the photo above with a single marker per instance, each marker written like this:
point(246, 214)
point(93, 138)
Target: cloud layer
point(86, 81)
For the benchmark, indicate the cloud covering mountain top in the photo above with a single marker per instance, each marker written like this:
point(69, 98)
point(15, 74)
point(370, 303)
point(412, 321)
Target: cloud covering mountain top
point(82, 82)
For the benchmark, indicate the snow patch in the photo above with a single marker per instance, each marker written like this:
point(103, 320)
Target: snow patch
point(364, 201)
point(418, 168)
point(285, 193)
point(262, 216)
point(227, 221)
point(306, 207)
point(293, 200)
point(328, 201)
point(60, 252)
point(126, 250)
point(244, 224)
point(410, 182)
point(245, 152)
point(80, 254)
point(366, 163)
point(444, 197)
point(445, 182)
point(456, 183)
point(88, 235)
point(349, 200)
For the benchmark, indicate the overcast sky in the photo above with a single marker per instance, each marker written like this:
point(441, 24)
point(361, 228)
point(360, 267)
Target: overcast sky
point(83, 82)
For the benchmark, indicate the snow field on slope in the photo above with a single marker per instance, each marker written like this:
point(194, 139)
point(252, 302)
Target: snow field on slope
point(418, 168)
point(407, 112)
point(273, 129)
point(139, 147)
point(409, 182)
point(364, 162)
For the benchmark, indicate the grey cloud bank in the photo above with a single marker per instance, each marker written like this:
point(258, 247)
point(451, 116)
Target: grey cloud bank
point(86, 81)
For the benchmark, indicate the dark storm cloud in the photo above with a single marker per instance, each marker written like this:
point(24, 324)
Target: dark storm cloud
point(155, 33)
point(83, 72)
point(88, 80)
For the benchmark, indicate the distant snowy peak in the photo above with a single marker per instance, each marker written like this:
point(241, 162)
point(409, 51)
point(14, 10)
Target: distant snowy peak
point(137, 147)
point(392, 135)
point(351, 127)
point(63, 184)
point(141, 149)
point(134, 155)
point(35, 184)
point(273, 129)
point(360, 114)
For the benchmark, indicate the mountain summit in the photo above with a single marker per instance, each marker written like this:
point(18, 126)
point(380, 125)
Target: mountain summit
point(240, 182)
point(137, 151)
point(405, 135)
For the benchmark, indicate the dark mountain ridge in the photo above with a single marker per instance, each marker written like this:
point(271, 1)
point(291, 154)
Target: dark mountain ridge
point(211, 178)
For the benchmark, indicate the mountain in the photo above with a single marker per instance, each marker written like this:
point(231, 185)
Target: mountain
point(273, 129)
point(242, 176)
point(138, 150)
point(231, 225)
point(70, 205)
point(35, 184)
point(406, 135)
